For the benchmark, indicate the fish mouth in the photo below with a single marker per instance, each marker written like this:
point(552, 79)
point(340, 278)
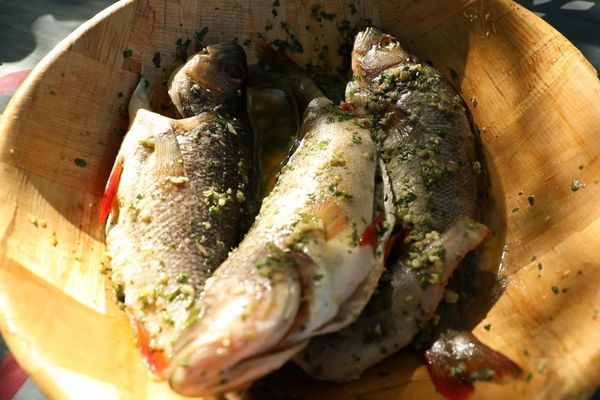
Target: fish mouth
point(219, 66)
point(206, 356)
point(374, 52)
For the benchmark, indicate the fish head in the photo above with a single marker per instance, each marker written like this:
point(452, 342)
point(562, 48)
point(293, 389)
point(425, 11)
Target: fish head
point(374, 52)
point(243, 313)
point(212, 79)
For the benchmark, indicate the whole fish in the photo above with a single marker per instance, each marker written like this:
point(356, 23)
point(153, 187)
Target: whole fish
point(176, 198)
point(296, 271)
point(427, 146)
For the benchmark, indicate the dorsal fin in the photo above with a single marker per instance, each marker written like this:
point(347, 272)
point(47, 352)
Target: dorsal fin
point(168, 161)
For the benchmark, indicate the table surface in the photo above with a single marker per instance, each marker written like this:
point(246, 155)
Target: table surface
point(34, 27)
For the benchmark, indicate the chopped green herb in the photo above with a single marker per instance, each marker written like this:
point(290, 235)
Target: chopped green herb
point(555, 289)
point(156, 59)
point(167, 319)
point(184, 363)
point(531, 199)
point(120, 94)
point(214, 211)
point(515, 209)
point(171, 296)
point(80, 162)
point(458, 369)
point(182, 277)
point(533, 258)
point(528, 377)
point(147, 143)
point(181, 49)
point(540, 266)
point(200, 37)
point(127, 53)
point(339, 193)
point(483, 374)
point(487, 327)
point(575, 185)
point(319, 15)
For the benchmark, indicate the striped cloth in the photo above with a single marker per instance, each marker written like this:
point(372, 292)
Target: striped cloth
point(33, 27)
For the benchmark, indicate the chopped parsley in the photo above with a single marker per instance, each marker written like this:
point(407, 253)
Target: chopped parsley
point(483, 374)
point(156, 59)
point(182, 277)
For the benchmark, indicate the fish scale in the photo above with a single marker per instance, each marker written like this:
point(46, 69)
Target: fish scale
point(293, 272)
point(427, 146)
point(177, 198)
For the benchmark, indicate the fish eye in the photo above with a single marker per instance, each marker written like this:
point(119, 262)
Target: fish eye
point(234, 71)
point(195, 89)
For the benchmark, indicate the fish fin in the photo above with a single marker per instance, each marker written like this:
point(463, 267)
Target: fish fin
point(306, 273)
point(302, 86)
point(168, 161)
point(371, 233)
point(333, 216)
point(140, 99)
point(275, 59)
point(109, 199)
point(156, 360)
point(463, 236)
point(457, 359)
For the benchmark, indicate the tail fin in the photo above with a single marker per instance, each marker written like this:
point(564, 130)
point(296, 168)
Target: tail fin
point(302, 86)
point(140, 98)
point(457, 359)
point(459, 239)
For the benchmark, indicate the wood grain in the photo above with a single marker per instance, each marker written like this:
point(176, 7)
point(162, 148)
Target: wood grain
point(533, 95)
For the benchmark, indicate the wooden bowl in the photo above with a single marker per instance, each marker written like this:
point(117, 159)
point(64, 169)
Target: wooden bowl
point(533, 95)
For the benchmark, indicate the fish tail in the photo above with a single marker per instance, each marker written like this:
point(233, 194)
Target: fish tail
point(140, 100)
point(302, 86)
point(453, 370)
point(458, 240)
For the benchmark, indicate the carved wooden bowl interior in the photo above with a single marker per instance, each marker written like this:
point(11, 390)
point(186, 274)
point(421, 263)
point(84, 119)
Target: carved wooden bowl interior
point(532, 94)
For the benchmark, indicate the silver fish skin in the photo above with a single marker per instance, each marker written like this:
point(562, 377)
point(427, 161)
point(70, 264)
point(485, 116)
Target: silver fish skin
point(176, 198)
point(427, 146)
point(297, 267)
